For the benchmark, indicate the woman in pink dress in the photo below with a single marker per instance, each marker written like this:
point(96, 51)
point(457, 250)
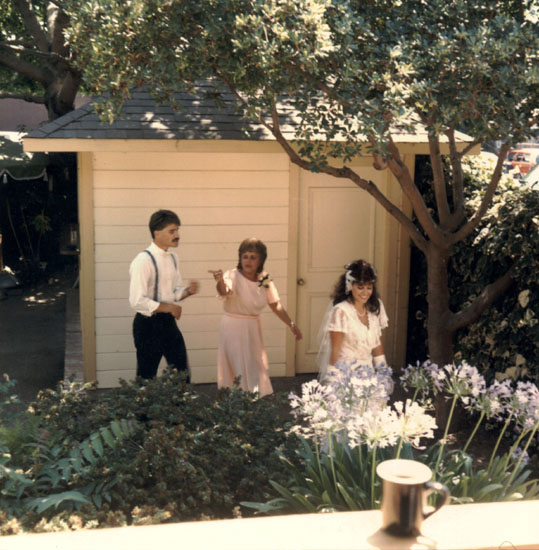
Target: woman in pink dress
point(245, 291)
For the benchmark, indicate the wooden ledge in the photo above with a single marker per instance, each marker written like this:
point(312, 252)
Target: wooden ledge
point(503, 526)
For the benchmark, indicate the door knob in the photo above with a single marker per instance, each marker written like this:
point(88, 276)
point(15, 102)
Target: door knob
point(301, 281)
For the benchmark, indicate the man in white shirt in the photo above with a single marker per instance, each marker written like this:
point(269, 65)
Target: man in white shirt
point(155, 289)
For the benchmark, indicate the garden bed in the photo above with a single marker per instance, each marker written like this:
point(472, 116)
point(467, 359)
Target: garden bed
point(161, 452)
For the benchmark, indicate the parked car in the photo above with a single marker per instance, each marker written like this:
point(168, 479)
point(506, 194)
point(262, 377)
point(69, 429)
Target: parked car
point(531, 179)
point(520, 161)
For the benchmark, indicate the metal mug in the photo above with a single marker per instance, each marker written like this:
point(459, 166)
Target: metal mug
point(405, 487)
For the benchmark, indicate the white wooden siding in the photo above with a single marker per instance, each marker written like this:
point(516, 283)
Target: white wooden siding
point(221, 198)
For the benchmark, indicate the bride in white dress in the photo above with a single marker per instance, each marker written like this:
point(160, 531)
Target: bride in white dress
point(352, 328)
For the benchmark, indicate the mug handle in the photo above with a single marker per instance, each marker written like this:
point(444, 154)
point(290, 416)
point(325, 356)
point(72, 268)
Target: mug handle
point(435, 486)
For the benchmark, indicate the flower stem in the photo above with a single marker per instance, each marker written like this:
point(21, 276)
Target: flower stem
point(332, 462)
point(453, 403)
point(474, 431)
point(373, 469)
point(532, 435)
point(317, 457)
point(513, 448)
point(498, 441)
point(398, 453)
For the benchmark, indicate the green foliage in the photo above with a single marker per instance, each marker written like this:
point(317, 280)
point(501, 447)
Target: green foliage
point(11, 26)
point(505, 340)
point(102, 454)
point(501, 480)
point(323, 482)
point(7, 397)
point(320, 482)
point(46, 483)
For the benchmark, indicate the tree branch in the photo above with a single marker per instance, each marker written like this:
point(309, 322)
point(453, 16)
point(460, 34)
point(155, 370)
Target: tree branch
point(465, 230)
point(22, 43)
point(32, 24)
point(61, 5)
point(458, 181)
point(49, 56)
point(489, 294)
point(344, 172)
point(24, 97)
point(347, 173)
point(15, 63)
point(57, 21)
point(401, 173)
point(440, 186)
point(468, 148)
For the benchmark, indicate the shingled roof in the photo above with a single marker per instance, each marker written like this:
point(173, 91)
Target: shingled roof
point(200, 118)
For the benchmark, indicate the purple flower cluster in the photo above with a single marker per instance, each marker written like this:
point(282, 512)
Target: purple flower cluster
point(499, 400)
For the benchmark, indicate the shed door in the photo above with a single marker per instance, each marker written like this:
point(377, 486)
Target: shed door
point(336, 226)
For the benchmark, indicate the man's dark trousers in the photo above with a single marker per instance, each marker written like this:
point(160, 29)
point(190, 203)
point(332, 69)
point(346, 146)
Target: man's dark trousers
point(154, 337)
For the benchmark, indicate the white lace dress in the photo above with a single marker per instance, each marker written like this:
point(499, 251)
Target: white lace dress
point(359, 340)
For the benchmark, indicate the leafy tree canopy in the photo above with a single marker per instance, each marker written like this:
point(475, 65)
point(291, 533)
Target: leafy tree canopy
point(376, 65)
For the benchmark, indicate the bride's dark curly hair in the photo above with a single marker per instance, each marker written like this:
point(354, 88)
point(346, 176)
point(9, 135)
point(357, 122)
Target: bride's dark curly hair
point(364, 273)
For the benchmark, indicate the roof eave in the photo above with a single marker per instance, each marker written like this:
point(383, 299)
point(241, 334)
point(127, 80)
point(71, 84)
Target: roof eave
point(78, 145)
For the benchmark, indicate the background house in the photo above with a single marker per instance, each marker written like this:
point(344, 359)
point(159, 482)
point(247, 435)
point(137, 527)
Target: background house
point(227, 179)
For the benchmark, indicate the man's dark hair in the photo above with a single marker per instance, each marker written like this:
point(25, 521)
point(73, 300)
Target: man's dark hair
point(161, 219)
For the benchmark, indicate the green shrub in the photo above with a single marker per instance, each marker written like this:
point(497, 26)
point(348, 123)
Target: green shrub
point(143, 453)
point(504, 342)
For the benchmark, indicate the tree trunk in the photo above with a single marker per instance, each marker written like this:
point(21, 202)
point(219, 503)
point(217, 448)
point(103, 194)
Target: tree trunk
point(60, 94)
point(440, 343)
point(440, 335)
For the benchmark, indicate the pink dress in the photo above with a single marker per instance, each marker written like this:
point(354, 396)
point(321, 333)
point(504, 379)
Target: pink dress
point(241, 347)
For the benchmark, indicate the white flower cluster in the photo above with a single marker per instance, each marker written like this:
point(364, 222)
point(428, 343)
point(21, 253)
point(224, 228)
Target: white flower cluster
point(351, 406)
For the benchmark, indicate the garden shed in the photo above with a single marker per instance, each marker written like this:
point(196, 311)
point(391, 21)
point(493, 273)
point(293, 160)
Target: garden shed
point(228, 179)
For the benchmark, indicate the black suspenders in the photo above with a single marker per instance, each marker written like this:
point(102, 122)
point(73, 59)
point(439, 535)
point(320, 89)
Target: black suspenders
point(157, 272)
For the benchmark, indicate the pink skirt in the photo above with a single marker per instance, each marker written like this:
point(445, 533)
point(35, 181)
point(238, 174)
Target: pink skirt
point(241, 354)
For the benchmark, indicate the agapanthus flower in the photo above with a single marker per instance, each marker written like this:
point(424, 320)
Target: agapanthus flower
point(518, 452)
point(414, 377)
point(374, 428)
point(313, 394)
point(494, 401)
point(312, 407)
point(358, 387)
point(348, 393)
point(463, 381)
point(413, 422)
point(425, 378)
point(384, 374)
point(436, 374)
point(525, 405)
